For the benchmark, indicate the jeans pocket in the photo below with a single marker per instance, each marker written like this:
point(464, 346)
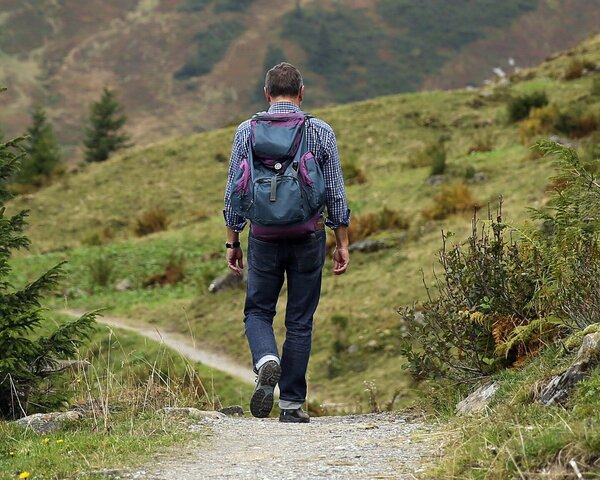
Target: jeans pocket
point(262, 255)
point(310, 255)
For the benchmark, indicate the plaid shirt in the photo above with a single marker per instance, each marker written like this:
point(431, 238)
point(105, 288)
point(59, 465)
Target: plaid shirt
point(321, 142)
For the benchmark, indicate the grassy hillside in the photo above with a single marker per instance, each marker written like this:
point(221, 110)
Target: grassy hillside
point(88, 219)
point(183, 66)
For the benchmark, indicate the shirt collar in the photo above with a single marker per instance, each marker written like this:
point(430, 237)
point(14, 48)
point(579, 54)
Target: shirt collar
point(284, 107)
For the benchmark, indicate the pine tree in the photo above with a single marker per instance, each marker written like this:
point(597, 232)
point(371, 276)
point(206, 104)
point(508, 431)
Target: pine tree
point(26, 355)
point(43, 154)
point(103, 134)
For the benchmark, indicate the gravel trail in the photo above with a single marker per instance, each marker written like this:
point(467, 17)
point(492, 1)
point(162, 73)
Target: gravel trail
point(373, 446)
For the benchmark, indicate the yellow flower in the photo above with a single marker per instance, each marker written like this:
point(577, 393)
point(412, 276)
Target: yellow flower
point(45, 441)
point(60, 440)
point(12, 454)
point(24, 475)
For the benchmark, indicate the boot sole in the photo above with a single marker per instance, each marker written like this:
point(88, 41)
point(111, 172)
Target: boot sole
point(262, 399)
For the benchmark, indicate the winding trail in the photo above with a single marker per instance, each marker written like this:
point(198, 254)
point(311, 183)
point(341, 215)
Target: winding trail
point(183, 344)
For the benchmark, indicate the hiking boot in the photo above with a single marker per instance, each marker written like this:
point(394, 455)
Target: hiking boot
point(261, 402)
point(296, 415)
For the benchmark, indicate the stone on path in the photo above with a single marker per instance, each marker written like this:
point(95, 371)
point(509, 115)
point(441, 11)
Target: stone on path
point(233, 411)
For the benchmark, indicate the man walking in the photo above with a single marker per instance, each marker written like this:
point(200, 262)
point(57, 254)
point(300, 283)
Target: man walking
point(292, 252)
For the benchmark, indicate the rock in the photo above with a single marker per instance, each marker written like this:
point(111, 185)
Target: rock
point(368, 246)
point(72, 293)
point(233, 411)
point(123, 285)
point(436, 180)
point(62, 365)
point(192, 413)
point(559, 388)
point(48, 422)
point(224, 282)
point(352, 349)
point(478, 401)
point(479, 177)
point(566, 142)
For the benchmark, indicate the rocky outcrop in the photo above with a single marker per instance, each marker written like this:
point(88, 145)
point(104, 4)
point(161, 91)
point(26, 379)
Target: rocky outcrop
point(558, 389)
point(368, 246)
point(224, 282)
point(478, 401)
point(233, 411)
point(49, 422)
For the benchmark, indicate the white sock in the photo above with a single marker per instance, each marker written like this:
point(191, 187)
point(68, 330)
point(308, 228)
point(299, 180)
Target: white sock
point(266, 359)
point(286, 405)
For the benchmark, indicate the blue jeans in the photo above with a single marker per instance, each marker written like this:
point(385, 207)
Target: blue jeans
point(268, 262)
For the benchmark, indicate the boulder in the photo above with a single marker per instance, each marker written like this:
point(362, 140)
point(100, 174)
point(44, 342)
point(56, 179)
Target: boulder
point(224, 282)
point(478, 401)
point(123, 285)
point(558, 389)
point(49, 422)
point(233, 411)
point(436, 180)
point(368, 246)
point(192, 413)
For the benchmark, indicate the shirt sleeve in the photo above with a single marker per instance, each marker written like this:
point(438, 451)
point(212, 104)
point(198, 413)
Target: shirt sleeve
point(238, 150)
point(338, 212)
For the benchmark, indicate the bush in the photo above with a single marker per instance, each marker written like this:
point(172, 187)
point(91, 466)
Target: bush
point(101, 270)
point(486, 291)
point(432, 155)
point(362, 226)
point(151, 221)
point(574, 69)
point(449, 200)
point(540, 121)
point(173, 273)
point(519, 107)
point(483, 141)
point(577, 123)
point(353, 173)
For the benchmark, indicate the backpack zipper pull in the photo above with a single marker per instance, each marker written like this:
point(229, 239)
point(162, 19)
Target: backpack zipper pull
point(273, 196)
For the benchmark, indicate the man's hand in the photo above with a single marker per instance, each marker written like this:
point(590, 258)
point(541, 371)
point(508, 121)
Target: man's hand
point(235, 260)
point(341, 260)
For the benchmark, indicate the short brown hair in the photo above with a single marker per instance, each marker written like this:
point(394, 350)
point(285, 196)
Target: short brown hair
point(283, 80)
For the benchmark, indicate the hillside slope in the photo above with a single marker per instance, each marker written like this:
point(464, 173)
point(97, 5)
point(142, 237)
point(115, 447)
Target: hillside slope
point(88, 217)
point(183, 66)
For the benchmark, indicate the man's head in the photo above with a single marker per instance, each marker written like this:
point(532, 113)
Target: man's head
point(284, 82)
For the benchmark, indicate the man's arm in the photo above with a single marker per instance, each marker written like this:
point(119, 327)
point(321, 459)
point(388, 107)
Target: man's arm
point(235, 256)
point(341, 257)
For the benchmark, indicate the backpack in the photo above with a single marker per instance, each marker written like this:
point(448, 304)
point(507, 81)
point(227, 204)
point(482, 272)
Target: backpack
point(280, 187)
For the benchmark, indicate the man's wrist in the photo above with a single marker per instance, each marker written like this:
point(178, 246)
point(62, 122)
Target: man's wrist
point(235, 244)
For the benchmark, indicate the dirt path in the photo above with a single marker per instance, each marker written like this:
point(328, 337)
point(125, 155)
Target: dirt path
point(382, 446)
point(183, 344)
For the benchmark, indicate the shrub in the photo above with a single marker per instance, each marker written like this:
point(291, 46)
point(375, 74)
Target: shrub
point(574, 69)
point(483, 141)
point(173, 273)
point(470, 172)
point(595, 90)
point(353, 173)
point(101, 270)
point(576, 123)
point(362, 226)
point(519, 107)
point(151, 221)
point(541, 120)
point(486, 290)
point(432, 155)
point(98, 237)
point(449, 200)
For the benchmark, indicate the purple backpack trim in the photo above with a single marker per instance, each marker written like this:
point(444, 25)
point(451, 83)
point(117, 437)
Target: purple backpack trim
point(303, 169)
point(270, 234)
point(244, 181)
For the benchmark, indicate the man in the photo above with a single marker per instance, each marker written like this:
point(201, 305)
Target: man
point(301, 259)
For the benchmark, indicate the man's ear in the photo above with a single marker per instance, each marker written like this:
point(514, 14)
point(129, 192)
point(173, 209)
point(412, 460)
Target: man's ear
point(301, 94)
point(267, 96)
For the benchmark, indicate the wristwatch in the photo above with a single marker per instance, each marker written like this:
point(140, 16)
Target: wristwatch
point(232, 245)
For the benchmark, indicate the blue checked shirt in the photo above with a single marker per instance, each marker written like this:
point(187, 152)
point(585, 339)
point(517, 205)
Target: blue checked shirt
point(321, 142)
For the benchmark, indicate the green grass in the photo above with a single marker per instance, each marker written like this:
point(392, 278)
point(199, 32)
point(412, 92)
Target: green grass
point(521, 438)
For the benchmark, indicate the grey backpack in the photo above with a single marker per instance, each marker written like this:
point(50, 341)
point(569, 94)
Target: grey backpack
point(280, 186)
